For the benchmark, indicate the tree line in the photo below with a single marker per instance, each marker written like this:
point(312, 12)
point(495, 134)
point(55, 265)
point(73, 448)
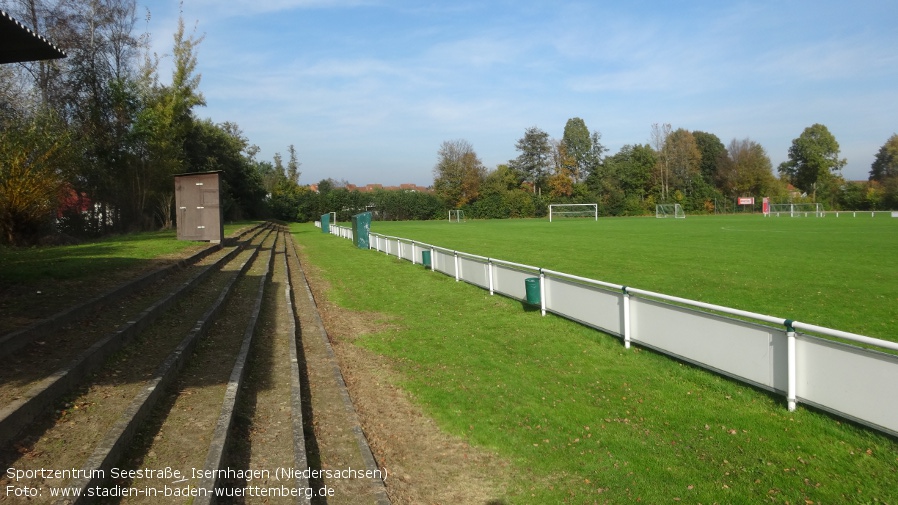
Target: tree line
point(692, 168)
point(383, 204)
point(89, 145)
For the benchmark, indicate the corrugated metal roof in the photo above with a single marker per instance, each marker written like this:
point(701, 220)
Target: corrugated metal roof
point(19, 43)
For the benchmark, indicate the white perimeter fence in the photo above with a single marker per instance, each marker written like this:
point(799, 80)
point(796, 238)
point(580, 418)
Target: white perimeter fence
point(853, 382)
point(836, 213)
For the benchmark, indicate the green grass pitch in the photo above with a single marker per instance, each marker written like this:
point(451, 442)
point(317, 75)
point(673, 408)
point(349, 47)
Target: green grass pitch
point(581, 419)
point(841, 273)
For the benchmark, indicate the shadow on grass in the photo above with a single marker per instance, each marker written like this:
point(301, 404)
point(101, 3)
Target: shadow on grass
point(529, 307)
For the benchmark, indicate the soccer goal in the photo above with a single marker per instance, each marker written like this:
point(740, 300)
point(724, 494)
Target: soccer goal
point(562, 210)
point(457, 216)
point(669, 210)
point(796, 209)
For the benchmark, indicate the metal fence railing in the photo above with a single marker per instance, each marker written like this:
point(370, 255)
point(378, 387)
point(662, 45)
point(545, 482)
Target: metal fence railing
point(798, 360)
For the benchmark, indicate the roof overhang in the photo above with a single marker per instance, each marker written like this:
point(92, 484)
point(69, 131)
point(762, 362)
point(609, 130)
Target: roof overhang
point(18, 43)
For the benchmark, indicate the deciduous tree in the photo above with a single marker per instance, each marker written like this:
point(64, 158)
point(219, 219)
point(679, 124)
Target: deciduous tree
point(596, 156)
point(885, 164)
point(748, 172)
point(713, 152)
point(211, 146)
point(565, 168)
point(814, 165)
point(35, 156)
point(535, 160)
point(458, 173)
point(884, 171)
point(684, 159)
point(630, 170)
point(578, 145)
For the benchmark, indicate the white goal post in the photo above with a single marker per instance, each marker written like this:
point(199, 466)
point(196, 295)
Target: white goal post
point(457, 216)
point(573, 210)
point(796, 209)
point(669, 210)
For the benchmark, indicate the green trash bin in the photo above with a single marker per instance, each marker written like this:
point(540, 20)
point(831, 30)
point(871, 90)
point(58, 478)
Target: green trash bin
point(425, 258)
point(531, 288)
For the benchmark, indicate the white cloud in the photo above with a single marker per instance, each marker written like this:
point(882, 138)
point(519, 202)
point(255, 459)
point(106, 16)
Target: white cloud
point(827, 60)
point(478, 51)
point(394, 79)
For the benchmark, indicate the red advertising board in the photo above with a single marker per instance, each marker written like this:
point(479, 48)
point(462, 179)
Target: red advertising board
point(750, 200)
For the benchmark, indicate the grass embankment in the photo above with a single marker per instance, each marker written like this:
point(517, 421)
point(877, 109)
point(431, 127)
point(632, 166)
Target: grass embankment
point(94, 258)
point(582, 419)
point(833, 272)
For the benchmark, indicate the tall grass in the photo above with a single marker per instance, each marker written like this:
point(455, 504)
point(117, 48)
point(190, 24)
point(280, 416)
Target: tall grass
point(581, 419)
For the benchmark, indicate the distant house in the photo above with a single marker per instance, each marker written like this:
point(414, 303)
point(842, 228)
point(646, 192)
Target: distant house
point(794, 192)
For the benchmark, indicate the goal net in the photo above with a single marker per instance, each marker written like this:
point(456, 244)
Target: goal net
point(669, 210)
point(796, 210)
point(564, 210)
point(456, 216)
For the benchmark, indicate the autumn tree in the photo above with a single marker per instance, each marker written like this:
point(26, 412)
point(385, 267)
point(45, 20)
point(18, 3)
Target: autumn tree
point(92, 91)
point(814, 165)
point(683, 161)
point(564, 170)
point(127, 132)
point(748, 170)
point(35, 156)
point(685, 158)
point(458, 173)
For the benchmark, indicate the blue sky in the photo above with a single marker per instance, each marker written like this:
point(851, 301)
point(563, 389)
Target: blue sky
point(367, 90)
